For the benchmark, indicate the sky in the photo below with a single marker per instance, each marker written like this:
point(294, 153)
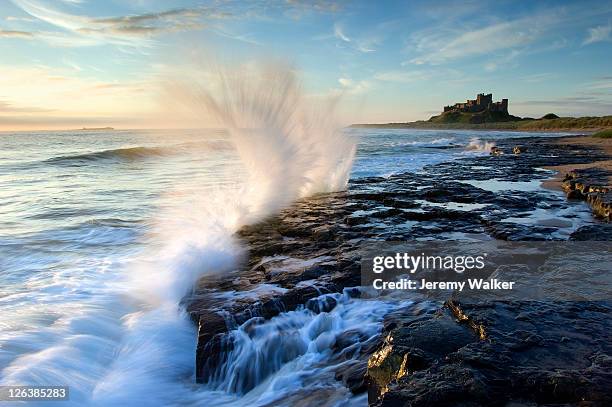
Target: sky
point(87, 63)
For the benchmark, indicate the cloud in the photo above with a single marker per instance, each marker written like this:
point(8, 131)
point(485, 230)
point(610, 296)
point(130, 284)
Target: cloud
point(52, 38)
point(16, 34)
point(599, 34)
point(339, 33)
point(362, 44)
point(13, 18)
point(58, 92)
point(6, 107)
point(443, 45)
point(502, 61)
point(317, 5)
point(175, 15)
point(571, 105)
point(134, 30)
point(353, 87)
point(402, 76)
point(603, 84)
point(72, 65)
point(297, 9)
point(538, 77)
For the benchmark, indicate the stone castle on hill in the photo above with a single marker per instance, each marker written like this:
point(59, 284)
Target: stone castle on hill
point(481, 103)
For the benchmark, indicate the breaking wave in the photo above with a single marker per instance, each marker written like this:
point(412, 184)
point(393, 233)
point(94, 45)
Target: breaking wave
point(129, 341)
point(118, 154)
point(476, 144)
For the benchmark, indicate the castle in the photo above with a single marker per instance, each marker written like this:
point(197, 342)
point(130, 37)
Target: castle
point(481, 103)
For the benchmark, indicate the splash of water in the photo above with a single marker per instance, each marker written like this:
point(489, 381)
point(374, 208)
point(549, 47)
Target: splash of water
point(132, 340)
point(290, 148)
point(476, 144)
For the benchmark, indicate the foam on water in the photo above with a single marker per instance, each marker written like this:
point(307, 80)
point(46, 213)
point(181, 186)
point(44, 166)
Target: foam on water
point(476, 144)
point(91, 284)
point(126, 341)
point(271, 361)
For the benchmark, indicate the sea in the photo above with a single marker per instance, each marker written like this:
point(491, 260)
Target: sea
point(102, 233)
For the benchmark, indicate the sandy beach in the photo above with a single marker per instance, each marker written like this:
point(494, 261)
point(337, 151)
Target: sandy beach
point(601, 143)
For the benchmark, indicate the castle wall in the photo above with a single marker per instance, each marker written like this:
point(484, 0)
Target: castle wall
point(482, 102)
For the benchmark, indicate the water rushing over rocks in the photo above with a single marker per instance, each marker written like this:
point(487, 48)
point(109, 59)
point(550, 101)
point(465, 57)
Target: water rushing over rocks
point(289, 319)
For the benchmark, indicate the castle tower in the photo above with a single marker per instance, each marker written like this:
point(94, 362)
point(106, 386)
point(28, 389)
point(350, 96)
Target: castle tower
point(504, 105)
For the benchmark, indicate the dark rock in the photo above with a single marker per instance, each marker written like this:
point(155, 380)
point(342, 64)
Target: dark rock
point(600, 232)
point(428, 354)
point(414, 346)
point(353, 376)
point(324, 304)
point(496, 151)
point(591, 184)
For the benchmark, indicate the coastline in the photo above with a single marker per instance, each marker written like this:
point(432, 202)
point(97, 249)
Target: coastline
point(307, 261)
point(604, 144)
point(560, 124)
point(480, 127)
point(591, 181)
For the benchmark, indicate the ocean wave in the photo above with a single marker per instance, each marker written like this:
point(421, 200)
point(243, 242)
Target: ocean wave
point(476, 144)
point(421, 143)
point(118, 154)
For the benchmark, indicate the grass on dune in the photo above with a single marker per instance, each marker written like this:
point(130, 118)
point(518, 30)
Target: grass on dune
point(603, 134)
point(462, 121)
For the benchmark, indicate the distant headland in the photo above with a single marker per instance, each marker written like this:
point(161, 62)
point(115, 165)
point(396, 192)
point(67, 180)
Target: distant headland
point(98, 128)
point(484, 113)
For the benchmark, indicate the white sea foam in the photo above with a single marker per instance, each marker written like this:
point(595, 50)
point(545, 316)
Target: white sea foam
point(477, 144)
point(127, 341)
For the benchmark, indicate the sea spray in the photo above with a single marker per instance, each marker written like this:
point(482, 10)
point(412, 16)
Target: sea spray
point(289, 147)
point(476, 144)
point(130, 342)
point(288, 151)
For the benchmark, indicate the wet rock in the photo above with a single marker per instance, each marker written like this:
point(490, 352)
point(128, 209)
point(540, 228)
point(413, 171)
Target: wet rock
point(427, 357)
point(519, 149)
point(601, 202)
point(591, 185)
point(496, 151)
point(318, 305)
point(530, 350)
point(414, 346)
point(597, 232)
point(353, 376)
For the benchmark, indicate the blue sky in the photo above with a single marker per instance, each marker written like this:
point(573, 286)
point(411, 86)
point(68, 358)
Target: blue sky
point(67, 63)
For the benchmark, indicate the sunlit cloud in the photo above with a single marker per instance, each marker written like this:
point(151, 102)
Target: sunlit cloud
point(16, 34)
point(14, 18)
point(135, 30)
point(6, 107)
point(70, 96)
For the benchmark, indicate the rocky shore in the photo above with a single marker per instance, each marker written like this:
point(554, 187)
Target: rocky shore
point(440, 351)
point(591, 182)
